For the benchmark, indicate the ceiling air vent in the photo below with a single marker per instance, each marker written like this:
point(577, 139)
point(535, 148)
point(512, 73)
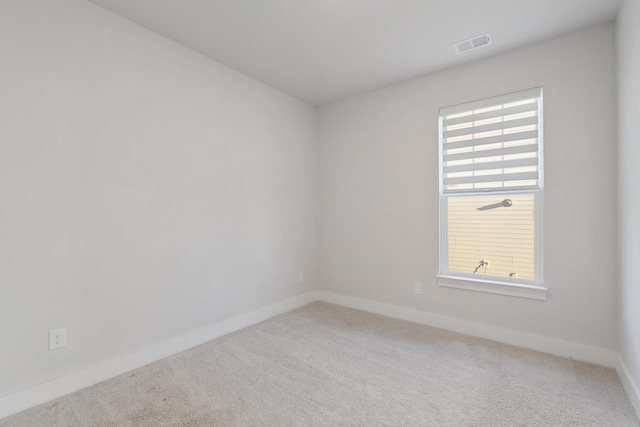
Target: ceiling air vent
point(473, 43)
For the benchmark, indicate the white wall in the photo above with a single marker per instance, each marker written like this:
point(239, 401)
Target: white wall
point(145, 190)
point(378, 171)
point(628, 50)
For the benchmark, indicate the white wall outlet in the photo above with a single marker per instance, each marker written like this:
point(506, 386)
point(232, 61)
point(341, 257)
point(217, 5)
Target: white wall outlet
point(57, 339)
point(301, 276)
point(417, 287)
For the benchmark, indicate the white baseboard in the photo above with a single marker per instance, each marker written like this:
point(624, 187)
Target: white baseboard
point(70, 383)
point(581, 352)
point(42, 393)
point(630, 386)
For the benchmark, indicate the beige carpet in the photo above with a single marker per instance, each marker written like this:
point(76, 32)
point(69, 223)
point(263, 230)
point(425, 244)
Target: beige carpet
point(324, 365)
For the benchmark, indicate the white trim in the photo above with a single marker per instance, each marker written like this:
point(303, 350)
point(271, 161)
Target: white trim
point(577, 351)
point(494, 287)
point(44, 392)
point(630, 386)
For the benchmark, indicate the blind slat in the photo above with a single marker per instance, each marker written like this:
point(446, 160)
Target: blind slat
point(485, 130)
point(492, 126)
point(520, 176)
point(525, 108)
point(529, 148)
point(502, 164)
point(510, 187)
point(516, 136)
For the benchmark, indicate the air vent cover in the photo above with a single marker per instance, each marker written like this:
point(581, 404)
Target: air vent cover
point(472, 43)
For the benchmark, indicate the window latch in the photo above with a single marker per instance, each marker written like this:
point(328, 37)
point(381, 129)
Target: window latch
point(507, 203)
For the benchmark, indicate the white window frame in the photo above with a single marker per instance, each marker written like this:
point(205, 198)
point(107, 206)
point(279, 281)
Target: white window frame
point(513, 286)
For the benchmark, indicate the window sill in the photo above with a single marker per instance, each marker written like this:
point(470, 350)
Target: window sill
point(495, 287)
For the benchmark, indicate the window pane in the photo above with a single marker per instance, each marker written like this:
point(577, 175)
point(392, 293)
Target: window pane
point(488, 237)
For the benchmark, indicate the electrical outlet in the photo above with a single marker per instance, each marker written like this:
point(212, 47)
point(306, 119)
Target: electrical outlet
point(301, 276)
point(57, 339)
point(417, 287)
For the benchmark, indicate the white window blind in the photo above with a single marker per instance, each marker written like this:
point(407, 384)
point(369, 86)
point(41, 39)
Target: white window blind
point(492, 144)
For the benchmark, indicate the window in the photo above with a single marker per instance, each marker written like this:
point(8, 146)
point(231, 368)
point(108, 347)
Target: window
point(491, 185)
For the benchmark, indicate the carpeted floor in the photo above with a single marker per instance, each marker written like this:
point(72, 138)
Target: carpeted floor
point(324, 365)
